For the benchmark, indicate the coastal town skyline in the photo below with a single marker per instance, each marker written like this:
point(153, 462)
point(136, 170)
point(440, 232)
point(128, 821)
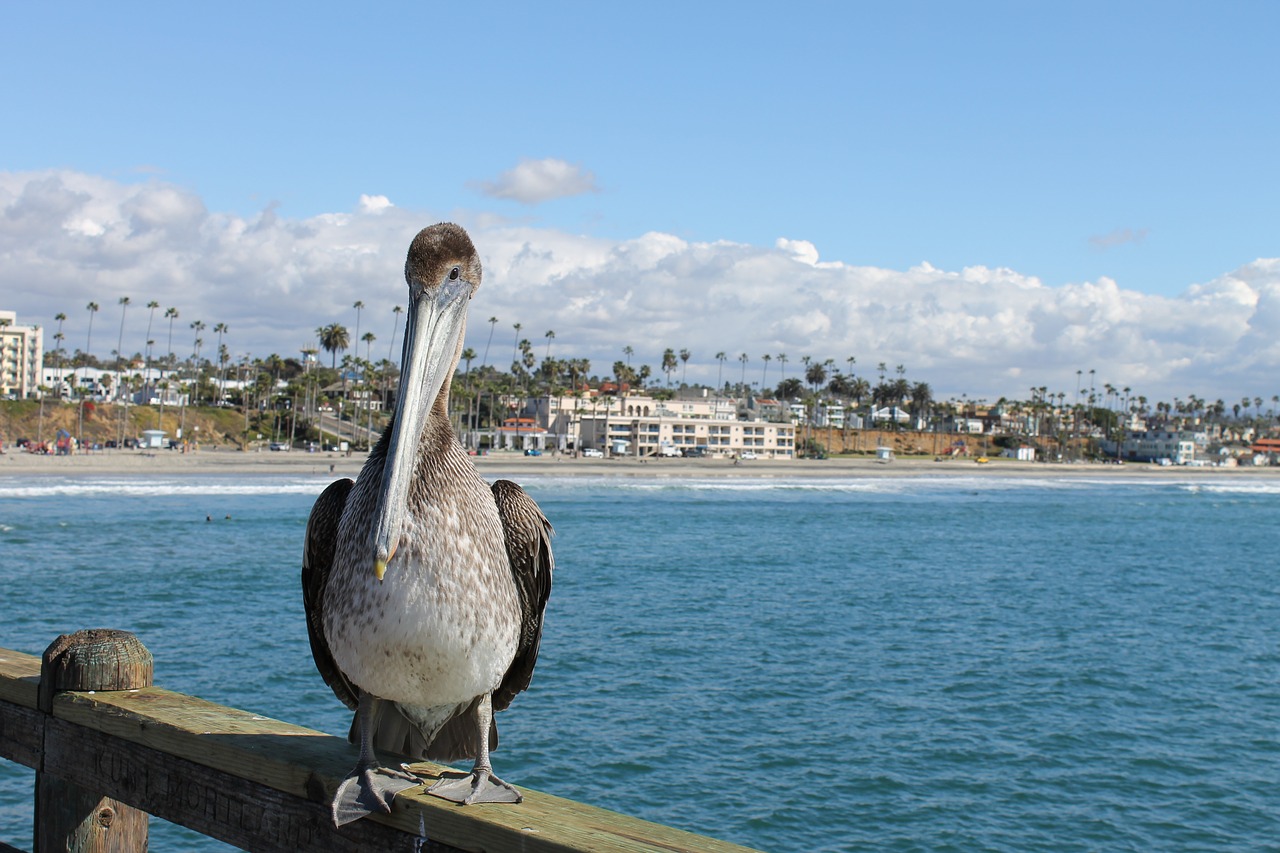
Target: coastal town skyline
point(994, 198)
point(811, 379)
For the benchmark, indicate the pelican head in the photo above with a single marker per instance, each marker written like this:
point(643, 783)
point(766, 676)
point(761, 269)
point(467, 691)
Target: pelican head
point(443, 272)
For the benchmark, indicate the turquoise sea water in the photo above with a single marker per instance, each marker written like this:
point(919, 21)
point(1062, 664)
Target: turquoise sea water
point(862, 664)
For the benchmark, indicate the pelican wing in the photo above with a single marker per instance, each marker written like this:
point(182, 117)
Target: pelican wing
point(317, 562)
point(528, 540)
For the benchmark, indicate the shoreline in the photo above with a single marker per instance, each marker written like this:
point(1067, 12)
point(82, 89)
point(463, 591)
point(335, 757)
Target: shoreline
point(169, 463)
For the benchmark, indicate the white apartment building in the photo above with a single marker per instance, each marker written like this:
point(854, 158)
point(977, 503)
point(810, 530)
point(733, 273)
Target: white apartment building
point(21, 351)
point(636, 425)
point(1154, 445)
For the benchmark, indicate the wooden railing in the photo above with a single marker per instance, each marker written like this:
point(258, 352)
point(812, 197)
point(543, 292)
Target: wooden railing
point(109, 749)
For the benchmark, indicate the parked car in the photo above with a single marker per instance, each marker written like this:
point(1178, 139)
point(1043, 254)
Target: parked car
point(533, 451)
point(748, 454)
point(593, 453)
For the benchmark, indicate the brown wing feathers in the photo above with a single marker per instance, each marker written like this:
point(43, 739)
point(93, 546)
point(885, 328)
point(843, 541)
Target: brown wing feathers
point(317, 562)
point(528, 540)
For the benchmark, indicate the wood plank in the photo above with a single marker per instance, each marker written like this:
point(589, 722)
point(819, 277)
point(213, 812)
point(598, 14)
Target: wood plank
point(310, 764)
point(265, 784)
point(21, 734)
point(21, 726)
point(238, 811)
point(19, 678)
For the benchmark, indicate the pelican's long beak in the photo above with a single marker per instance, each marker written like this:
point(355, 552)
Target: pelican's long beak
point(432, 337)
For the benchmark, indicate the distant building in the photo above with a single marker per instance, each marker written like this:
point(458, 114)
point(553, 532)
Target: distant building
point(640, 425)
point(895, 414)
point(522, 434)
point(21, 351)
point(1268, 450)
point(1155, 445)
point(153, 438)
point(830, 415)
point(963, 424)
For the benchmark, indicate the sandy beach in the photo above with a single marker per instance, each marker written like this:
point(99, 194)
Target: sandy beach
point(221, 461)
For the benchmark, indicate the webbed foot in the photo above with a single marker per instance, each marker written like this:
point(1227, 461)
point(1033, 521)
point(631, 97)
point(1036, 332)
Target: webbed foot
point(367, 789)
point(478, 786)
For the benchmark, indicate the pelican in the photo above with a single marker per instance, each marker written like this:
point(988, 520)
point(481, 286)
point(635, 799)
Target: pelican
point(424, 587)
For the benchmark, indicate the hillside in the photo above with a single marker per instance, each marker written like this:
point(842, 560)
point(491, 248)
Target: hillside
point(209, 426)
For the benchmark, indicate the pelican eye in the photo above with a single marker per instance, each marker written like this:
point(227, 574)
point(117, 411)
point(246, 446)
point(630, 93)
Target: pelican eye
point(454, 273)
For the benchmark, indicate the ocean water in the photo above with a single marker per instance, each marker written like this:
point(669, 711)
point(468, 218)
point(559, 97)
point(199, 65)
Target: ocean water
point(863, 664)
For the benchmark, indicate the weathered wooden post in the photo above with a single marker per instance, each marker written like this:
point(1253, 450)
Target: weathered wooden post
point(67, 817)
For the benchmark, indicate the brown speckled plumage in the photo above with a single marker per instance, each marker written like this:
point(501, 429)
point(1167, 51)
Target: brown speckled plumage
point(458, 615)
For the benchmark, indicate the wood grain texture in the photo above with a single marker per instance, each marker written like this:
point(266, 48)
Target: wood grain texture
point(265, 784)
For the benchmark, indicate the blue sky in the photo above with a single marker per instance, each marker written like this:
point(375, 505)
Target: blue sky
point(1122, 149)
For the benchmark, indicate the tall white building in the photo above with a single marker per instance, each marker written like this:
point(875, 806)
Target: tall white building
point(21, 350)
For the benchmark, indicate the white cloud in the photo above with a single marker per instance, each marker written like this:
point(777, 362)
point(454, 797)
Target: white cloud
point(536, 181)
point(67, 238)
point(374, 203)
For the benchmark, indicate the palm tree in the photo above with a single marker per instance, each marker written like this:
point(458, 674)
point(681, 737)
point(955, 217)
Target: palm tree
point(790, 388)
point(92, 307)
point(668, 363)
point(397, 311)
point(334, 339)
point(308, 355)
point(224, 358)
point(493, 322)
point(816, 376)
point(151, 315)
point(221, 329)
point(198, 326)
point(468, 355)
point(171, 314)
point(764, 376)
point(921, 400)
point(123, 302)
point(515, 346)
point(859, 390)
point(685, 355)
point(550, 336)
point(359, 306)
point(720, 357)
point(744, 358)
point(60, 317)
point(88, 342)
